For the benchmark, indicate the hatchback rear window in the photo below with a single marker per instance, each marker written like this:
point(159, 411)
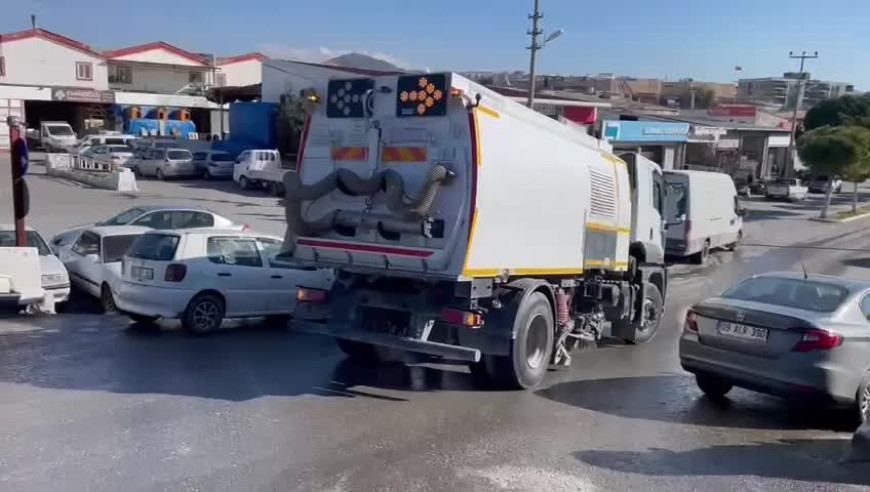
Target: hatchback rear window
point(221, 158)
point(177, 155)
point(789, 292)
point(158, 247)
point(114, 247)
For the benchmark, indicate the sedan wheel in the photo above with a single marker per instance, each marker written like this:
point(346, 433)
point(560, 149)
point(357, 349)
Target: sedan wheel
point(864, 400)
point(160, 175)
point(204, 314)
point(107, 300)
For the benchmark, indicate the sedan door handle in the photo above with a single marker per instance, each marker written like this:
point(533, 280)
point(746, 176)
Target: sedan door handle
point(225, 274)
point(277, 276)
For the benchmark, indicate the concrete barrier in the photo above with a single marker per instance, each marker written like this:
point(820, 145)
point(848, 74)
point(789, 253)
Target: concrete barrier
point(90, 173)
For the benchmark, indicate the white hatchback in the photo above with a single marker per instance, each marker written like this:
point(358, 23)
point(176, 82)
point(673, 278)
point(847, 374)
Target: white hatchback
point(202, 276)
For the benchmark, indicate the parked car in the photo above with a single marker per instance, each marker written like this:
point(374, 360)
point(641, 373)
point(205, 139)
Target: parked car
point(155, 217)
point(786, 189)
point(703, 213)
point(117, 155)
point(55, 279)
point(94, 260)
point(258, 168)
point(819, 184)
point(112, 138)
point(784, 334)
point(211, 164)
point(56, 136)
point(164, 163)
point(203, 276)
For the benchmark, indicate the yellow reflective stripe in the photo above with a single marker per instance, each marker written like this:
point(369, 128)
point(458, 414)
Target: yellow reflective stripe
point(489, 112)
point(612, 158)
point(465, 270)
point(606, 228)
point(477, 138)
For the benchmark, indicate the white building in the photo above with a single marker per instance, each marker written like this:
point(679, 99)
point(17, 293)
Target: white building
point(240, 70)
point(46, 76)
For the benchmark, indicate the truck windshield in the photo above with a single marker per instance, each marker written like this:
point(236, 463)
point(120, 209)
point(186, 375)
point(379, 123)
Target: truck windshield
point(59, 130)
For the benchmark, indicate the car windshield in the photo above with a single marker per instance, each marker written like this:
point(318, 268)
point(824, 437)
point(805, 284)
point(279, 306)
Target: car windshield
point(59, 130)
point(34, 240)
point(123, 218)
point(114, 247)
point(178, 155)
point(159, 247)
point(221, 158)
point(811, 295)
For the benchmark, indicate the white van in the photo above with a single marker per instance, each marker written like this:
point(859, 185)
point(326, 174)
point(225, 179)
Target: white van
point(702, 212)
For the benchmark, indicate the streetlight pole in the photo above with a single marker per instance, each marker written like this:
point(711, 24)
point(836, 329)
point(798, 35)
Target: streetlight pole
point(789, 166)
point(534, 33)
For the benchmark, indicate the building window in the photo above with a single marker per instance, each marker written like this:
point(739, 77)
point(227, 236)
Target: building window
point(123, 75)
point(2, 66)
point(195, 78)
point(84, 71)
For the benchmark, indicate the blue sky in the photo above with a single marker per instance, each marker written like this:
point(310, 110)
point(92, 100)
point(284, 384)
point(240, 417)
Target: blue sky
point(665, 38)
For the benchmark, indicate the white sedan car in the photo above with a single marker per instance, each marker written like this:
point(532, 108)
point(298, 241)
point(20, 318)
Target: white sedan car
point(204, 276)
point(94, 260)
point(55, 280)
point(155, 217)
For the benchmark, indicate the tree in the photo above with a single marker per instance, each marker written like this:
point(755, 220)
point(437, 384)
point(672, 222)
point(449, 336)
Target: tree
point(845, 110)
point(859, 171)
point(830, 151)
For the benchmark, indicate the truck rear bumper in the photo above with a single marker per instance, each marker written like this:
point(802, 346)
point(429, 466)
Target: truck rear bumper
point(451, 352)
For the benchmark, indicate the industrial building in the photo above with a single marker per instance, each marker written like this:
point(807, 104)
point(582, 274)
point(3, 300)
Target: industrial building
point(785, 92)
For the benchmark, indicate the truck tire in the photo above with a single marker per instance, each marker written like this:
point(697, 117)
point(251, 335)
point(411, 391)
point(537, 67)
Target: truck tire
point(531, 349)
point(243, 183)
point(637, 333)
point(359, 352)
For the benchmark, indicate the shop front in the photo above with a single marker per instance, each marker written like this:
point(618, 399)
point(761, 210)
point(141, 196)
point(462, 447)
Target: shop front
point(661, 142)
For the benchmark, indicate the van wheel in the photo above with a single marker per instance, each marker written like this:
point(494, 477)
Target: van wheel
point(243, 183)
point(733, 246)
point(700, 258)
point(204, 314)
point(531, 349)
point(160, 175)
point(107, 300)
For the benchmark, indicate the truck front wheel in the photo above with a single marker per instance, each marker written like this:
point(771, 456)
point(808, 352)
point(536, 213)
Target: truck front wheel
point(644, 328)
point(531, 348)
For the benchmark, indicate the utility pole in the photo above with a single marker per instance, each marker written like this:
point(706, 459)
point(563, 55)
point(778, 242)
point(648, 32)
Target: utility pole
point(534, 33)
point(789, 163)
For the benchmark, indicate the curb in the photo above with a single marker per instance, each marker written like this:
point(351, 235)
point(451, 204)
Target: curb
point(838, 221)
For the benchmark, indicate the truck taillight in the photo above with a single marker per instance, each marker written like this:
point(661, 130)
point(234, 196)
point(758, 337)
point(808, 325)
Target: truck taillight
point(314, 296)
point(463, 318)
point(691, 324)
point(175, 272)
point(818, 340)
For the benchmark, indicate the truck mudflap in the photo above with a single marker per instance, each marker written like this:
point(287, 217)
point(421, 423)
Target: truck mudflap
point(447, 351)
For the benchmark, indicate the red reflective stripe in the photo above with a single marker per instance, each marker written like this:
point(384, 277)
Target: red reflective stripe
point(365, 248)
point(349, 153)
point(404, 154)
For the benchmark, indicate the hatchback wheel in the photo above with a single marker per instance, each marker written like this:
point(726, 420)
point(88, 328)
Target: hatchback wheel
point(107, 300)
point(204, 314)
point(160, 175)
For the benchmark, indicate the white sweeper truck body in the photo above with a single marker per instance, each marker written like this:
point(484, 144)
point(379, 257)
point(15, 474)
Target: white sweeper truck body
point(465, 226)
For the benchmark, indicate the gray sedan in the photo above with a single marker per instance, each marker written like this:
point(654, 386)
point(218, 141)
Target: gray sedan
point(784, 334)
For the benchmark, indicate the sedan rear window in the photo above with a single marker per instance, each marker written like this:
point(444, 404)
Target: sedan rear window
point(790, 292)
point(114, 247)
point(158, 247)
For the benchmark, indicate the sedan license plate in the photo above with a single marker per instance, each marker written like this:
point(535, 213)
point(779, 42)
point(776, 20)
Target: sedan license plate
point(142, 273)
point(743, 332)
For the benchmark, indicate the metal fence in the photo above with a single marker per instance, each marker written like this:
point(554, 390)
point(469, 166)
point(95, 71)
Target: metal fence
point(80, 163)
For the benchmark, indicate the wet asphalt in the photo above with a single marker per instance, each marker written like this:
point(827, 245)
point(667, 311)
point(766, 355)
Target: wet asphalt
point(89, 402)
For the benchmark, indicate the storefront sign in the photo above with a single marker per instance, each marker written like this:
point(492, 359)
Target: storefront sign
point(645, 131)
point(734, 111)
point(83, 95)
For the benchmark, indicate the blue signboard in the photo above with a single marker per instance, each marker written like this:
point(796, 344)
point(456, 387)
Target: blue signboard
point(645, 131)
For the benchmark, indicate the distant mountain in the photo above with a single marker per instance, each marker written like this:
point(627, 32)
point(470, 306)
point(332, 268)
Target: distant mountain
point(362, 61)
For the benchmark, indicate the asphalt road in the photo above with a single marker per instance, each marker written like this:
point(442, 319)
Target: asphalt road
point(87, 404)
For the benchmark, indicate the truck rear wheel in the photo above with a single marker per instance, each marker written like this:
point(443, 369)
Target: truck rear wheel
point(360, 352)
point(531, 348)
